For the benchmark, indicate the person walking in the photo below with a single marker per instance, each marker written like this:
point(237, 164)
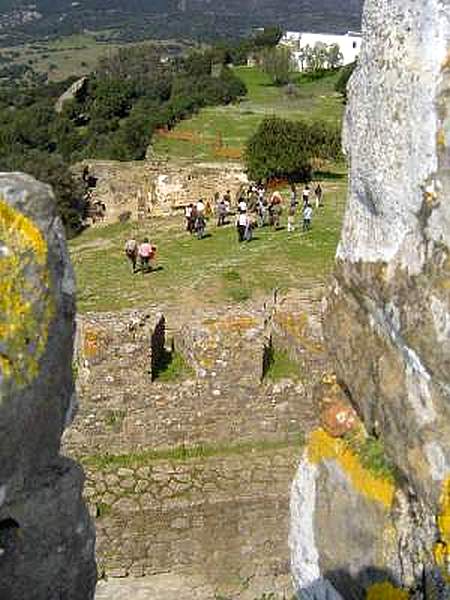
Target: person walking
point(307, 216)
point(291, 218)
point(305, 194)
point(200, 207)
point(242, 204)
point(241, 225)
point(227, 200)
point(221, 213)
point(275, 209)
point(188, 217)
point(131, 252)
point(293, 196)
point(318, 194)
point(193, 219)
point(200, 225)
point(146, 252)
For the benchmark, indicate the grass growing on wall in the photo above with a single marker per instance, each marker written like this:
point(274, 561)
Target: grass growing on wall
point(281, 366)
point(173, 368)
point(372, 454)
point(186, 453)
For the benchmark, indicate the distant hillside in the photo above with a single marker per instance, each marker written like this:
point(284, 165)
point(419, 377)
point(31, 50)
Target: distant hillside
point(22, 20)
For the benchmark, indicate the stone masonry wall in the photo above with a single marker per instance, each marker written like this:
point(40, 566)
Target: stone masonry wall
point(225, 402)
point(148, 188)
point(191, 476)
point(226, 517)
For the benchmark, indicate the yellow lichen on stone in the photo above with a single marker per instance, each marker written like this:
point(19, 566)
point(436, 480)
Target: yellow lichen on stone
point(442, 548)
point(237, 324)
point(323, 446)
point(25, 305)
point(386, 591)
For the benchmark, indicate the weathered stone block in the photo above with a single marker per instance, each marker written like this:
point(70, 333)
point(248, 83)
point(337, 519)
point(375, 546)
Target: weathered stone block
point(388, 317)
point(46, 536)
point(229, 347)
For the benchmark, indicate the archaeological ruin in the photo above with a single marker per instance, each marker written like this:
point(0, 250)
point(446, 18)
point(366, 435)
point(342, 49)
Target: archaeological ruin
point(225, 484)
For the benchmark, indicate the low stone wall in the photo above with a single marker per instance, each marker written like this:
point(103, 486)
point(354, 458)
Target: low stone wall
point(148, 188)
point(227, 347)
point(224, 518)
point(110, 347)
point(220, 518)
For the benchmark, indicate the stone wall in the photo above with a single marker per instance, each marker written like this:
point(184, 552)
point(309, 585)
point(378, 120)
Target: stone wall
point(46, 536)
point(224, 519)
point(387, 328)
point(198, 469)
point(223, 401)
point(147, 188)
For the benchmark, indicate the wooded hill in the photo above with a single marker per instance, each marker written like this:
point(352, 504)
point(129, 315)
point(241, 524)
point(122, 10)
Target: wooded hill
point(196, 19)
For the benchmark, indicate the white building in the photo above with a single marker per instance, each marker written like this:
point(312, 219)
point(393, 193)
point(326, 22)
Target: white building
point(349, 44)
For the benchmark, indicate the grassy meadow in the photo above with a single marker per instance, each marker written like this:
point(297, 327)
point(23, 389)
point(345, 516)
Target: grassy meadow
point(69, 56)
point(220, 132)
point(216, 270)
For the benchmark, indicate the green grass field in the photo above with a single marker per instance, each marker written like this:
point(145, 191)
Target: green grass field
point(219, 270)
point(216, 270)
point(69, 56)
point(312, 100)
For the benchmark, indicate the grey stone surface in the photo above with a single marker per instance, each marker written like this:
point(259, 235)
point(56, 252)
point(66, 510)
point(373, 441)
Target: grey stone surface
point(46, 537)
point(388, 312)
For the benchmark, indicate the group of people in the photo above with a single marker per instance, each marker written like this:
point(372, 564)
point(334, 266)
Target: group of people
point(144, 252)
point(196, 215)
point(256, 209)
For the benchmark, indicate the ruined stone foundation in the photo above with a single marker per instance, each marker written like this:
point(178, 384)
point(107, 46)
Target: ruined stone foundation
point(370, 506)
point(46, 536)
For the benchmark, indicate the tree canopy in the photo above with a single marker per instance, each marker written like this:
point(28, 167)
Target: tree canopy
point(283, 149)
point(129, 96)
point(277, 63)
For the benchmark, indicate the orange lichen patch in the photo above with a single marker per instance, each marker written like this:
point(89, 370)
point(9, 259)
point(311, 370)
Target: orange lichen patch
point(442, 548)
point(386, 591)
point(91, 343)
point(441, 138)
point(338, 419)
point(25, 303)
point(94, 342)
point(295, 324)
point(232, 324)
point(323, 446)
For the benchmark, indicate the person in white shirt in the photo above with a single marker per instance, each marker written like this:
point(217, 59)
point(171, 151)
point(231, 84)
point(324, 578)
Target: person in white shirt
point(307, 217)
point(242, 205)
point(242, 224)
point(200, 207)
point(306, 192)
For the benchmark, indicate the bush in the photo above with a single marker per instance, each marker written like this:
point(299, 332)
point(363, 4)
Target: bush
point(282, 149)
